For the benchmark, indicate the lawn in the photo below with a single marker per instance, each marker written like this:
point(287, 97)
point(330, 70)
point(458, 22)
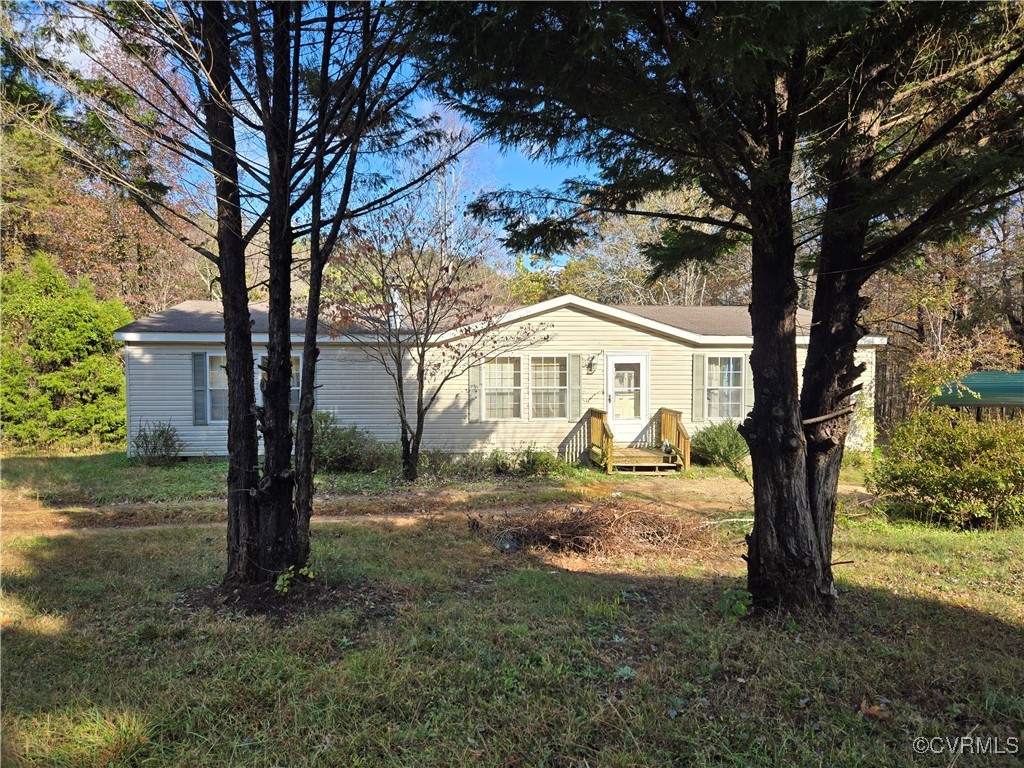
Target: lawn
point(433, 648)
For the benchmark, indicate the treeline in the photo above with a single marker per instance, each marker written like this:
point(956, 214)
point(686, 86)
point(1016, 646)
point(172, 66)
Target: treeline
point(79, 260)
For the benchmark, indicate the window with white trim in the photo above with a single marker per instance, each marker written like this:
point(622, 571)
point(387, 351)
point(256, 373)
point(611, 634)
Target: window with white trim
point(725, 388)
point(296, 378)
point(549, 387)
point(503, 388)
point(216, 388)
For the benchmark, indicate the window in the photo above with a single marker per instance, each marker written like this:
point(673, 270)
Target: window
point(549, 387)
point(503, 388)
point(216, 388)
point(296, 371)
point(725, 387)
point(626, 394)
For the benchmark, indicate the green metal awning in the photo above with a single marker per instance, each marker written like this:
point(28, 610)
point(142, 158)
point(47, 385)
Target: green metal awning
point(987, 388)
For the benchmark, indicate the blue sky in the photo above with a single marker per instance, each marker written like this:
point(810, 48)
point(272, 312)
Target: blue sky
point(515, 169)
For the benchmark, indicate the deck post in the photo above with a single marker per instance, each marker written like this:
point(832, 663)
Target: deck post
point(673, 431)
point(601, 440)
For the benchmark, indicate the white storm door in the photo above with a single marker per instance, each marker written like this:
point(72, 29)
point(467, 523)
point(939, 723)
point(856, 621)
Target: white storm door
point(626, 390)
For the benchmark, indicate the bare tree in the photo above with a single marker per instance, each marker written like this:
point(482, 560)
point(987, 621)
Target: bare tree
point(411, 287)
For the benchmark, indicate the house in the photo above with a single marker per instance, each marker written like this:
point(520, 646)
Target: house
point(626, 365)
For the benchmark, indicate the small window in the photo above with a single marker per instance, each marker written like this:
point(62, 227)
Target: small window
point(503, 388)
point(217, 388)
point(725, 387)
point(296, 376)
point(549, 387)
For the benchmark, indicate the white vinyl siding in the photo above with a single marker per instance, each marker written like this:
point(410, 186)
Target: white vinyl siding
point(357, 391)
point(549, 387)
point(503, 388)
point(724, 387)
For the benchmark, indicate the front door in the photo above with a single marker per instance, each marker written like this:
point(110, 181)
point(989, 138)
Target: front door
point(626, 388)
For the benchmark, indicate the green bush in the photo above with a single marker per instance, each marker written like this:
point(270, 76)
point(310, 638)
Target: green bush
point(158, 444)
point(946, 468)
point(348, 449)
point(61, 380)
point(525, 462)
point(455, 466)
point(531, 462)
point(719, 445)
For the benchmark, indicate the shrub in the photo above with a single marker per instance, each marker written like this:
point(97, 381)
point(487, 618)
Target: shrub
point(502, 463)
point(531, 462)
point(61, 381)
point(347, 449)
point(158, 444)
point(944, 467)
point(455, 466)
point(525, 462)
point(719, 445)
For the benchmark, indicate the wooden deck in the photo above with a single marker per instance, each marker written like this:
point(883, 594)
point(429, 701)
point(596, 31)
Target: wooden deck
point(671, 434)
point(645, 460)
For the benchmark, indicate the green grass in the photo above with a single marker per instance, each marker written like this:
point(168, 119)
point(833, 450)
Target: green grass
point(113, 478)
point(463, 655)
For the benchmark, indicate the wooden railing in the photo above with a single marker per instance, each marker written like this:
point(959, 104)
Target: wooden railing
point(671, 429)
point(601, 440)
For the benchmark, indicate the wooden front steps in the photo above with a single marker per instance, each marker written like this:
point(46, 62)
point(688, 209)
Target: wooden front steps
point(645, 460)
point(671, 434)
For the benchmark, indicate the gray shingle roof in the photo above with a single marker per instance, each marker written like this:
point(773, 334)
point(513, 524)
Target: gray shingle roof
point(202, 317)
point(708, 321)
point(206, 317)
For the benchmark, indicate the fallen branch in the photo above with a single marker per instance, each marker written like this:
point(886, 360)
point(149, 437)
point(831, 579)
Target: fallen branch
point(729, 520)
point(829, 416)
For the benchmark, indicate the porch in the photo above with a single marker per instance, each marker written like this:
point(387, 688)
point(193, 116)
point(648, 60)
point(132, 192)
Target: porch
point(672, 453)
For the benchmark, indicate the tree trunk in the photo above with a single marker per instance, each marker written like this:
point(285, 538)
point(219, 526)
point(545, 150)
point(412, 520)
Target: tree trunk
point(785, 563)
point(279, 541)
point(412, 437)
point(243, 446)
point(831, 371)
point(410, 455)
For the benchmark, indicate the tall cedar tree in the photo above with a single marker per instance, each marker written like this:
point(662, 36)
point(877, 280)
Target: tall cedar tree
point(284, 104)
point(903, 118)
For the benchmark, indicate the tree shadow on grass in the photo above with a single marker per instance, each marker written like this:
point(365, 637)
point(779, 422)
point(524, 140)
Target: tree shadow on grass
point(512, 656)
point(112, 478)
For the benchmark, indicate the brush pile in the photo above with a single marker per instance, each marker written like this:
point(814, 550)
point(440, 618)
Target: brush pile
point(602, 529)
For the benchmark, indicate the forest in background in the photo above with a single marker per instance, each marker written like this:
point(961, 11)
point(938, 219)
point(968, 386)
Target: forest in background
point(81, 257)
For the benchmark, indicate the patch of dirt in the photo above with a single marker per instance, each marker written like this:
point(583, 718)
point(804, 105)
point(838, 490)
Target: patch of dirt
point(25, 516)
point(372, 602)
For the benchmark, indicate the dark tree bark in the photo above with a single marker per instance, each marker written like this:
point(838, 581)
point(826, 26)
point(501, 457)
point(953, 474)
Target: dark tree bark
point(830, 371)
point(786, 564)
point(279, 541)
point(244, 559)
point(319, 89)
